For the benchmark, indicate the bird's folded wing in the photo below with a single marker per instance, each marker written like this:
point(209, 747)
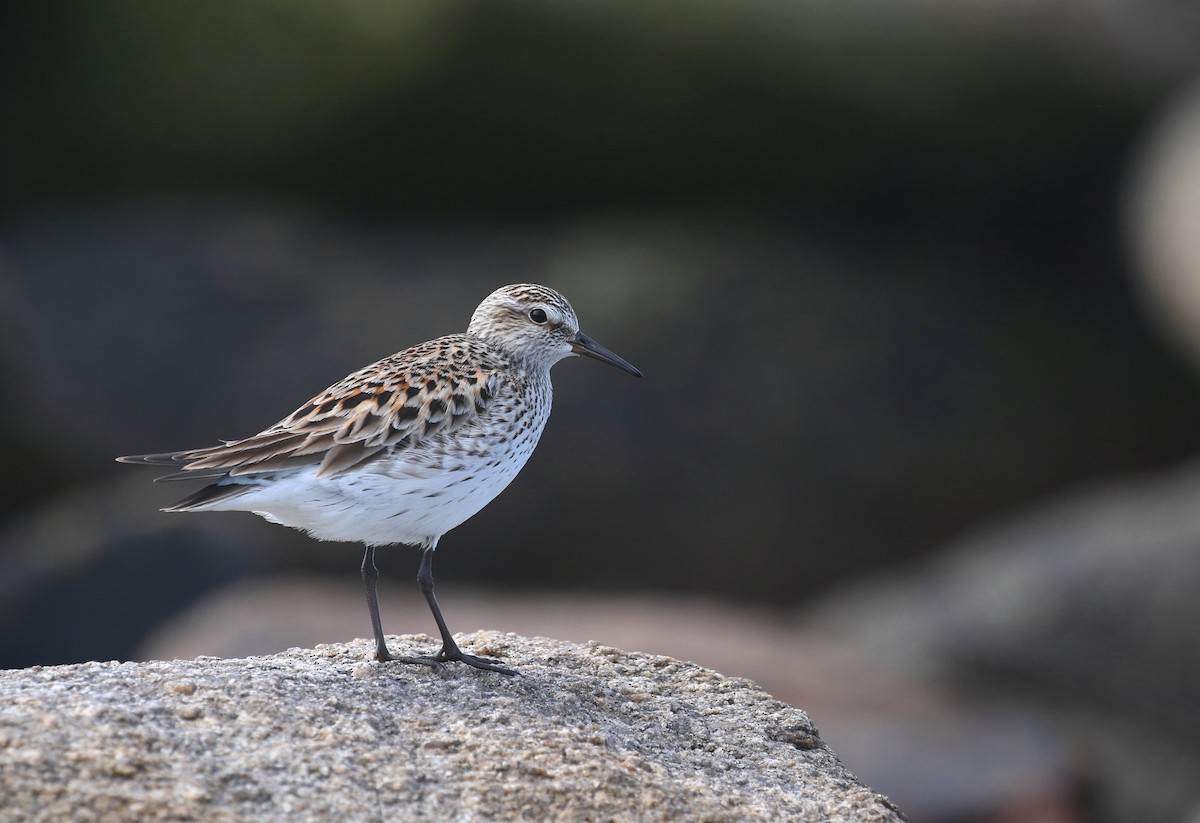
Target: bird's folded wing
point(390, 404)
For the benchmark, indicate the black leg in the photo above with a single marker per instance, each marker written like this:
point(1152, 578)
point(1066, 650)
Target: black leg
point(370, 577)
point(450, 649)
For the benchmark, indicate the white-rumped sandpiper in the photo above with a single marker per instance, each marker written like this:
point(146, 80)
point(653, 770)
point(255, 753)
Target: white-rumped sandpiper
point(405, 449)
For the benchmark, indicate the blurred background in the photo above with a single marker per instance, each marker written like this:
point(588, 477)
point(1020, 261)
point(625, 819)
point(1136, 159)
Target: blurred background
point(915, 286)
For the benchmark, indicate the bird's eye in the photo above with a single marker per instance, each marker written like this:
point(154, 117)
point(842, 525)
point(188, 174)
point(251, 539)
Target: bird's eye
point(537, 316)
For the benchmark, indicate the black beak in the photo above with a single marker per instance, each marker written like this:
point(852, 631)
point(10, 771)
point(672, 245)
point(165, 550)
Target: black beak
point(582, 344)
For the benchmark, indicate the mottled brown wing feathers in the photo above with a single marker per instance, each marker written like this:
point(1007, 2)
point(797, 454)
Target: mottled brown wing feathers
point(397, 402)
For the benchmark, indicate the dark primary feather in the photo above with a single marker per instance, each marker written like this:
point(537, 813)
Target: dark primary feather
point(209, 494)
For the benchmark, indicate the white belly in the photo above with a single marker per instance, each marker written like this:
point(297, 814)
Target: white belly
point(382, 504)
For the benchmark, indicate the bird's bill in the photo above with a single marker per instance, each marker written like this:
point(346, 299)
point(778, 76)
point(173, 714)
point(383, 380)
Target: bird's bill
point(582, 344)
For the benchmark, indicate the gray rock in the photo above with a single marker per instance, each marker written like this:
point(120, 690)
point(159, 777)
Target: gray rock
point(583, 733)
point(936, 755)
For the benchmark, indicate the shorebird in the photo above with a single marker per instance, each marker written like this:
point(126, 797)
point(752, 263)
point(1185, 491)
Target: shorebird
point(407, 448)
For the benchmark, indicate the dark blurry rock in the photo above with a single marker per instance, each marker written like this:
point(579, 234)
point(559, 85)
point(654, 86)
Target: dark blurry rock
point(582, 733)
point(1082, 614)
point(88, 574)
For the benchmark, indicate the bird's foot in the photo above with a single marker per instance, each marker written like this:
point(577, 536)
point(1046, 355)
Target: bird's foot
point(435, 661)
point(486, 663)
point(430, 661)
